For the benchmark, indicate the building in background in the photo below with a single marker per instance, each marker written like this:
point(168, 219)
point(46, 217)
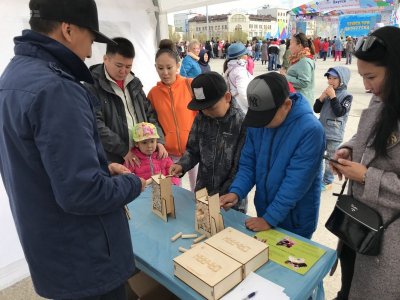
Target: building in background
point(181, 22)
point(232, 27)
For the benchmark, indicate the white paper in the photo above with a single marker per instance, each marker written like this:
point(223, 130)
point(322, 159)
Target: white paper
point(258, 286)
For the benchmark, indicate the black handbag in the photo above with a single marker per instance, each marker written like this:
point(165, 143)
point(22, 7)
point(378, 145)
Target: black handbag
point(357, 225)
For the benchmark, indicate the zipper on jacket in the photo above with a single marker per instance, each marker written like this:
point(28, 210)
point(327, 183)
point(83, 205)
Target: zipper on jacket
point(215, 154)
point(127, 107)
point(175, 121)
point(151, 166)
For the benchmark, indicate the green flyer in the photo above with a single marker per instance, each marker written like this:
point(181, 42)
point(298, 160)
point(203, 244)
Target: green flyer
point(290, 252)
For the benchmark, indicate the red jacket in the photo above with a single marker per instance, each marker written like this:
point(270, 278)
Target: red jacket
point(151, 165)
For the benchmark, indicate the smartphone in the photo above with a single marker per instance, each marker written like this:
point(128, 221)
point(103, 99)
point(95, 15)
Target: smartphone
point(331, 159)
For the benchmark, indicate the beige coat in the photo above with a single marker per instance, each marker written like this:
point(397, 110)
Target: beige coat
point(378, 277)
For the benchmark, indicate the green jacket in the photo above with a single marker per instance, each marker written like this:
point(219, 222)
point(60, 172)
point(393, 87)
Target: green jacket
point(301, 75)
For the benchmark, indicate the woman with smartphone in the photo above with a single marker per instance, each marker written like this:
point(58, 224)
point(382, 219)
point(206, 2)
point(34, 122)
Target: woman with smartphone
point(371, 161)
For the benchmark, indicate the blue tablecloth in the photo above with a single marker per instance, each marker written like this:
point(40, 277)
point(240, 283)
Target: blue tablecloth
point(154, 251)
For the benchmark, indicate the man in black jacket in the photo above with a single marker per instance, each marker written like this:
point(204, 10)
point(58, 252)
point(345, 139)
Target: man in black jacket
point(122, 103)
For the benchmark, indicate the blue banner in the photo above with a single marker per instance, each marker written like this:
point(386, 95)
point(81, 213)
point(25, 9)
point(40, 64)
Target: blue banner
point(357, 25)
point(301, 26)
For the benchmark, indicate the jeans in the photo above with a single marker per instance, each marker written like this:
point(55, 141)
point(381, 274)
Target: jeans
point(348, 57)
point(330, 149)
point(273, 57)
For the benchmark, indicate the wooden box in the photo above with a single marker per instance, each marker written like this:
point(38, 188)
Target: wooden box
point(248, 251)
point(208, 271)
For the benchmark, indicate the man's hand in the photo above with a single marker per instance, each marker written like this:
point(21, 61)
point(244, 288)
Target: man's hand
point(162, 152)
point(144, 184)
point(131, 159)
point(228, 200)
point(257, 224)
point(175, 170)
point(117, 169)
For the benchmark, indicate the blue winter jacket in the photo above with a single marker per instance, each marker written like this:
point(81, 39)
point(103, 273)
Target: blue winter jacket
point(190, 67)
point(68, 210)
point(285, 165)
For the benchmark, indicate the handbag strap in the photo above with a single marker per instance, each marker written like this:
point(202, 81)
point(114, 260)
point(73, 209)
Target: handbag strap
point(385, 225)
point(342, 190)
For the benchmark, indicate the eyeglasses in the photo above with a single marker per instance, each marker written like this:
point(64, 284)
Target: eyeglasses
point(365, 43)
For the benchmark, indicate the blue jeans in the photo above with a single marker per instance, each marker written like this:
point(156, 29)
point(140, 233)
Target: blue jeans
point(273, 57)
point(330, 150)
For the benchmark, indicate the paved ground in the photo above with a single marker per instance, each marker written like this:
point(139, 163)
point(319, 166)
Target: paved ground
point(23, 290)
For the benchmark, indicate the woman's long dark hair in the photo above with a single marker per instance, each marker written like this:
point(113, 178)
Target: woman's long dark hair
point(386, 56)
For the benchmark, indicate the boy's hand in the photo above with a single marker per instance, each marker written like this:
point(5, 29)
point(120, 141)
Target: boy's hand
point(132, 160)
point(323, 96)
point(162, 152)
point(257, 224)
point(228, 200)
point(330, 92)
point(175, 170)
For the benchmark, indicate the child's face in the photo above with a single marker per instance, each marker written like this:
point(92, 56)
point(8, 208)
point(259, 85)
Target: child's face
point(147, 147)
point(333, 81)
point(219, 109)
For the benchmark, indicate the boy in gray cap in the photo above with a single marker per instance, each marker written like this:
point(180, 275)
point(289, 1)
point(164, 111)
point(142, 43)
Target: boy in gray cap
point(66, 200)
point(281, 156)
point(216, 137)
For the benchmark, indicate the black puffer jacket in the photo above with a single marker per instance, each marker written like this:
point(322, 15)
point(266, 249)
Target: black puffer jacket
point(111, 117)
point(215, 144)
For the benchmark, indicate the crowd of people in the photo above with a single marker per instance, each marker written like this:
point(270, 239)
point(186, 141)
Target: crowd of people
point(82, 142)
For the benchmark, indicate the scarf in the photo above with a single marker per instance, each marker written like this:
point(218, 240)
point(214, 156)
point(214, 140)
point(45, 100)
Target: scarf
point(194, 56)
point(294, 58)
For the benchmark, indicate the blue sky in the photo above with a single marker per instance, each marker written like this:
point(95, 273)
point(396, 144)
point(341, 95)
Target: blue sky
point(249, 6)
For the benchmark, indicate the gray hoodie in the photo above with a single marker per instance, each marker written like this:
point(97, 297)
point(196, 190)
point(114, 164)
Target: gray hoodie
point(334, 112)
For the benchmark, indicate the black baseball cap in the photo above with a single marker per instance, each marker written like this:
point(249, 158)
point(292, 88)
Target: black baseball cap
point(265, 94)
point(82, 13)
point(208, 88)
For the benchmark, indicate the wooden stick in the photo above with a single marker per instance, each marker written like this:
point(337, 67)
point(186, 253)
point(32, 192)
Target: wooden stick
point(176, 236)
point(189, 236)
point(149, 181)
point(182, 249)
point(200, 238)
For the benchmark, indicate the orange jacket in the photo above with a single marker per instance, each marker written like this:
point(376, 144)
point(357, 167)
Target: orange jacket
point(170, 103)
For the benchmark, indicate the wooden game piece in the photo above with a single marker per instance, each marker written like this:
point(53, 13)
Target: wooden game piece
point(200, 238)
point(208, 218)
point(182, 249)
point(176, 236)
point(163, 200)
point(189, 236)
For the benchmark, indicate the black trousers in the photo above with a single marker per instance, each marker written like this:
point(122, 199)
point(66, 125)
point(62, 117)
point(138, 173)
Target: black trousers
point(347, 257)
point(118, 293)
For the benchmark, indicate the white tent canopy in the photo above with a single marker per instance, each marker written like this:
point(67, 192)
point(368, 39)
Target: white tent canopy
point(135, 20)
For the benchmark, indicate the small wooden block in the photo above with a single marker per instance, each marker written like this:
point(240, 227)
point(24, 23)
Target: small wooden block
point(176, 236)
point(200, 238)
point(189, 236)
point(182, 249)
